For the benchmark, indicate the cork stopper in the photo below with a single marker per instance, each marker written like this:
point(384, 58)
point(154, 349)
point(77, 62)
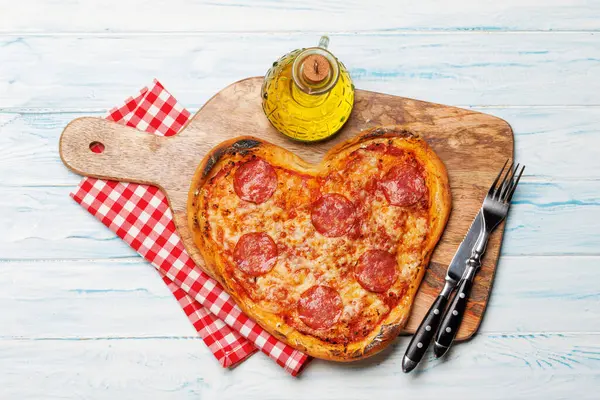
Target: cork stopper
point(315, 68)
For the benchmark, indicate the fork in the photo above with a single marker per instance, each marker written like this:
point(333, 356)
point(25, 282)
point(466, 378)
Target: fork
point(493, 211)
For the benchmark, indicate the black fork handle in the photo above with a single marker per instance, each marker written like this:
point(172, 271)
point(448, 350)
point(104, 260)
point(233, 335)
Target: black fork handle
point(455, 313)
point(453, 318)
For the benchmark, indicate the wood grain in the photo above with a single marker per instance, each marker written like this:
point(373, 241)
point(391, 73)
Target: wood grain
point(514, 69)
point(88, 300)
point(28, 145)
point(505, 365)
point(549, 219)
point(103, 299)
point(135, 16)
point(472, 145)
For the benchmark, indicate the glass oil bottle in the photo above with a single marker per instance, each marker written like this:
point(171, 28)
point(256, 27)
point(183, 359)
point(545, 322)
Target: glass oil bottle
point(308, 94)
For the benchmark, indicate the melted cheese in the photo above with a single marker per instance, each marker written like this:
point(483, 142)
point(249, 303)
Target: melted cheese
point(307, 258)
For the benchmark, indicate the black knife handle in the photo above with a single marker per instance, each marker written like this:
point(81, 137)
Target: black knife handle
point(453, 317)
point(422, 337)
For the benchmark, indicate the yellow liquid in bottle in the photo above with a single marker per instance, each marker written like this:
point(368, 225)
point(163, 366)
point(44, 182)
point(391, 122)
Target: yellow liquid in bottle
point(300, 115)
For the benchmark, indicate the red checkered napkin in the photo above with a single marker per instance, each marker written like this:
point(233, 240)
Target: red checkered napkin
point(140, 215)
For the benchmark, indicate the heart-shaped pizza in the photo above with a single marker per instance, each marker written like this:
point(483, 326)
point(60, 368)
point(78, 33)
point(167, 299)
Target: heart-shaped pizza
point(326, 257)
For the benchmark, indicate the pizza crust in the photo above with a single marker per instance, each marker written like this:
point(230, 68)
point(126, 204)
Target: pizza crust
point(388, 328)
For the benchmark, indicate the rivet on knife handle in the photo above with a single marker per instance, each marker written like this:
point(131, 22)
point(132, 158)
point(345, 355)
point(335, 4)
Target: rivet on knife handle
point(422, 337)
point(453, 318)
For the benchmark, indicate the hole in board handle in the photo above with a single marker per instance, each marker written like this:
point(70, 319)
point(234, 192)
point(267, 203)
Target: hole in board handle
point(97, 147)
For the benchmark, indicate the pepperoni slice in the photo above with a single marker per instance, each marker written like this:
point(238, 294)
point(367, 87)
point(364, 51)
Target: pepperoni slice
point(404, 185)
point(255, 181)
point(319, 307)
point(255, 253)
point(333, 215)
point(376, 270)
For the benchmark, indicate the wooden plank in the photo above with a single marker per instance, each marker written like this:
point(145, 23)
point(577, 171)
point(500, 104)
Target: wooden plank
point(45, 223)
point(29, 150)
point(544, 294)
point(499, 366)
point(29, 144)
point(455, 69)
point(352, 15)
point(113, 299)
point(87, 299)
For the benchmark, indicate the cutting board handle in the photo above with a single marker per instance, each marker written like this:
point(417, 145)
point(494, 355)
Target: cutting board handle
point(125, 149)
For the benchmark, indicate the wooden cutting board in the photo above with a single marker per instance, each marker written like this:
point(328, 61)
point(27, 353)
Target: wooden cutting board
point(474, 146)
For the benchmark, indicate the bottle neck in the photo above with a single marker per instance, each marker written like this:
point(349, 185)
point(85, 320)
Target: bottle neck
point(306, 99)
point(319, 81)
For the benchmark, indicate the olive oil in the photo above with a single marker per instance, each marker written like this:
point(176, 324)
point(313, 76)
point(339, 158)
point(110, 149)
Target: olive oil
point(308, 94)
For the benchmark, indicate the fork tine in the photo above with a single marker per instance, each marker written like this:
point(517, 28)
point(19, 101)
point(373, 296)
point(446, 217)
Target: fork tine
point(492, 190)
point(508, 184)
point(512, 191)
point(502, 185)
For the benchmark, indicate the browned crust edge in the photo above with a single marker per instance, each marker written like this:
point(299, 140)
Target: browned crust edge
point(391, 326)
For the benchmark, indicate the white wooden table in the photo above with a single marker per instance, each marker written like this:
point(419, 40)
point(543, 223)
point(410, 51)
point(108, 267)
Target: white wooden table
point(82, 316)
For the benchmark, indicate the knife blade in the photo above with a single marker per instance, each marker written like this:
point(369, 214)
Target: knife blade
point(422, 337)
point(458, 264)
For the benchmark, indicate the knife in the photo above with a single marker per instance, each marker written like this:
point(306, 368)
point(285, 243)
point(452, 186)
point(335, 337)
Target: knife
point(428, 327)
